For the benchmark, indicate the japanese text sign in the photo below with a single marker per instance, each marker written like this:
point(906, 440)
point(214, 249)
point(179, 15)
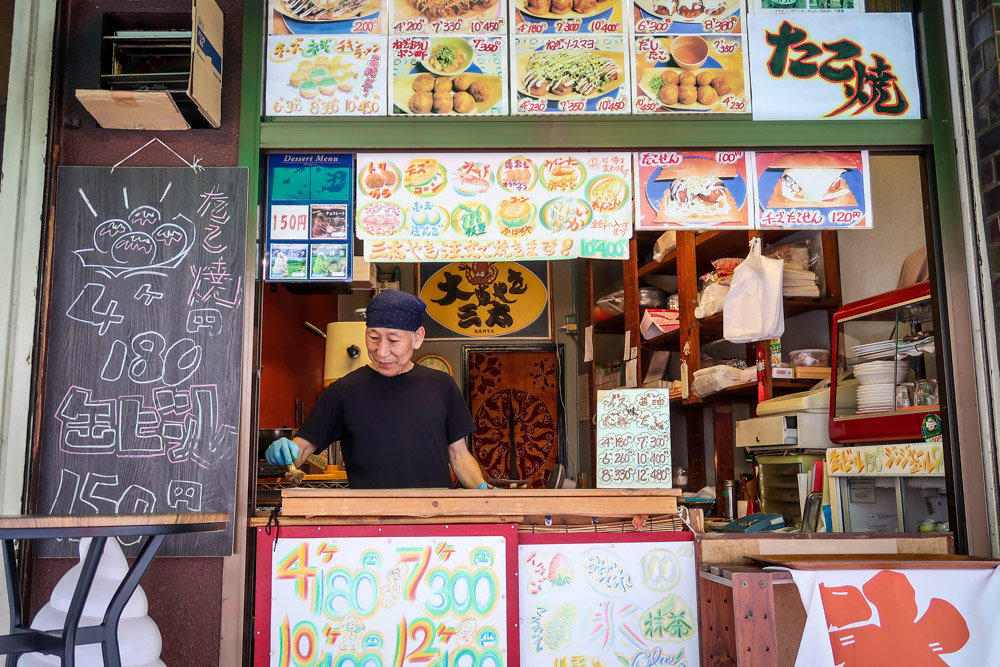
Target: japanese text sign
point(448, 17)
point(813, 191)
point(326, 75)
point(450, 207)
point(143, 376)
point(833, 66)
point(403, 600)
point(936, 616)
point(701, 17)
point(617, 602)
point(633, 438)
point(919, 459)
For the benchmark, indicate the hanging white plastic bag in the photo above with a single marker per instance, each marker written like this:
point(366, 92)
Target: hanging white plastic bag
point(754, 310)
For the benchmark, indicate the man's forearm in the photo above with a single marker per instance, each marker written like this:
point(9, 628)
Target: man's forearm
point(306, 449)
point(465, 466)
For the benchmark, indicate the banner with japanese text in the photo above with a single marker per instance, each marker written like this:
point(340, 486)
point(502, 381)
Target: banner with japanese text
point(808, 66)
point(919, 458)
point(400, 600)
point(453, 207)
point(588, 601)
point(910, 617)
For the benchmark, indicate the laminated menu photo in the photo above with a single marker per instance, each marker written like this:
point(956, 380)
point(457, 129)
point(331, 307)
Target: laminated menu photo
point(453, 76)
point(693, 190)
point(584, 74)
point(326, 75)
point(813, 190)
point(536, 17)
point(327, 17)
point(690, 74)
point(448, 17)
point(688, 16)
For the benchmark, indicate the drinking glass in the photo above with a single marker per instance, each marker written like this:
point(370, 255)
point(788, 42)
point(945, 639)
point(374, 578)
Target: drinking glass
point(926, 392)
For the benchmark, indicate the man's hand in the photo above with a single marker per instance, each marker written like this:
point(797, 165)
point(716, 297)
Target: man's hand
point(282, 452)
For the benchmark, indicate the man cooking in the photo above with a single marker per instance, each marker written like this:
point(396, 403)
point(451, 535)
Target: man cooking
point(399, 424)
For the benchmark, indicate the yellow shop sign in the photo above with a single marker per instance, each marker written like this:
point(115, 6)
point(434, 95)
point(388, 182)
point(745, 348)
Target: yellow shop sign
point(484, 299)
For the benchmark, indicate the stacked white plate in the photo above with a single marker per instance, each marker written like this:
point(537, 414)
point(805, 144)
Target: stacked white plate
point(882, 349)
point(876, 398)
point(881, 372)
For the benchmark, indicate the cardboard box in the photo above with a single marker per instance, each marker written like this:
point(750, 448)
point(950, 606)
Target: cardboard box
point(157, 109)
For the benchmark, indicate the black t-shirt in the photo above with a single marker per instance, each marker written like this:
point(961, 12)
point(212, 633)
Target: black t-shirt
point(394, 432)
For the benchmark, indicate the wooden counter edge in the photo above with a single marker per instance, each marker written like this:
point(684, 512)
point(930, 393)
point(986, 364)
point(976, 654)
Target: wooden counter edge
point(109, 520)
point(477, 493)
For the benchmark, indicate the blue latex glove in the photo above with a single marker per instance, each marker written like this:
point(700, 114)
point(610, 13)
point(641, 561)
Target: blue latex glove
point(483, 485)
point(282, 452)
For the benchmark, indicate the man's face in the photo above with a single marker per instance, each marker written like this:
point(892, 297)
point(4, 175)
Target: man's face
point(391, 349)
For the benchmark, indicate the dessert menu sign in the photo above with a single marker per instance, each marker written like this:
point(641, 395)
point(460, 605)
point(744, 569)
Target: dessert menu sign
point(833, 66)
point(451, 207)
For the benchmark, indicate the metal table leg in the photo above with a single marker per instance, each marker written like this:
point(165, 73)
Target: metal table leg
point(112, 616)
point(13, 581)
point(75, 611)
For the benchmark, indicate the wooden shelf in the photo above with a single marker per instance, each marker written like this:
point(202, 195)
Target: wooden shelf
point(667, 341)
point(615, 325)
point(711, 327)
point(748, 392)
point(709, 246)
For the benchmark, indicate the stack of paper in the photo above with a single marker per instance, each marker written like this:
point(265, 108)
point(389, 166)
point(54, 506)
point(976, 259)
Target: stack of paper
point(799, 282)
point(656, 322)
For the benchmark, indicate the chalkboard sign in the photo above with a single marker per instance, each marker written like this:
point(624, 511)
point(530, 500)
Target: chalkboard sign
point(633, 439)
point(142, 377)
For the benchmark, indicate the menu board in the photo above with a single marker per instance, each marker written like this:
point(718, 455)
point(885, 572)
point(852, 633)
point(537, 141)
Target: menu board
point(451, 207)
point(448, 17)
point(775, 6)
point(690, 74)
point(693, 190)
point(813, 190)
point(326, 75)
point(309, 209)
point(327, 17)
point(580, 74)
point(376, 599)
point(143, 367)
point(537, 17)
point(633, 439)
point(688, 16)
point(630, 601)
point(833, 66)
point(449, 76)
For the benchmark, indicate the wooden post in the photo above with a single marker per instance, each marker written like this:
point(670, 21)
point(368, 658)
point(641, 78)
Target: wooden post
point(588, 300)
point(630, 284)
point(696, 447)
point(687, 292)
point(722, 427)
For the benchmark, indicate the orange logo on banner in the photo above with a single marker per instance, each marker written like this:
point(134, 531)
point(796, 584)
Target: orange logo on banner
point(900, 637)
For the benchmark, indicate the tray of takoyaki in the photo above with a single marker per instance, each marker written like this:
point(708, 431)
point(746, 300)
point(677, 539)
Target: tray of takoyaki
point(437, 10)
point(323, 12)
point(559, 75)
point(702, 89)
point(689, 11)
point(463, 94)
point(563, 9)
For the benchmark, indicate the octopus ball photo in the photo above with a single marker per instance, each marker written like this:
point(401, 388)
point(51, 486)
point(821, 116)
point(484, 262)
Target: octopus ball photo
point(688, 79)
point(706, 77)
point(669, 94)
point(671, 77)
point(464, 102)
point(584, 6)
point(442, 102)
point(442, 84)
point(479, 91)
point(561, 6)
point(687, 95)
point(421, 102)
point(722, 86)
point(707, 95)
point(424, 82)
point(461, 82)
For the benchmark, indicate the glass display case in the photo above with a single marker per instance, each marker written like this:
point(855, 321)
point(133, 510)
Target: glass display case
point(888, 488)
point(884, 349)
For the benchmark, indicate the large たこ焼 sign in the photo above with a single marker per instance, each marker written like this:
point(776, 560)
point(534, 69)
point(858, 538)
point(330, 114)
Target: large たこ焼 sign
point(142, 375)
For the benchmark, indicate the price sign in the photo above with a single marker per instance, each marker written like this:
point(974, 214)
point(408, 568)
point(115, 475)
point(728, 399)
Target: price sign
point(633, 438)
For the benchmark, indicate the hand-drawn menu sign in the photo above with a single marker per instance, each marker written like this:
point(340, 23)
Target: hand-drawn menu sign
point(142, 380)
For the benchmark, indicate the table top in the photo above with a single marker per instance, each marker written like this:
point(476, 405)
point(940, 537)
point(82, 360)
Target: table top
point(876, 561)
point(108, 525)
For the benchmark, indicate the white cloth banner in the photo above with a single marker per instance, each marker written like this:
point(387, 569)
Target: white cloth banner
point(910, 618)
